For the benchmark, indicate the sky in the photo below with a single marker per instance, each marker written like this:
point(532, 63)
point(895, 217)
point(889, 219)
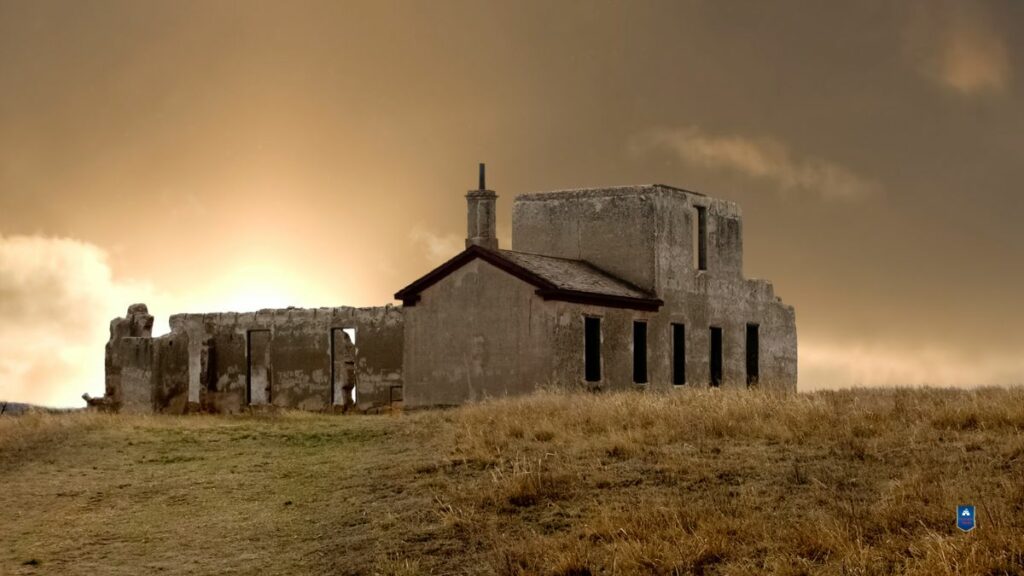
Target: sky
point(216, 155)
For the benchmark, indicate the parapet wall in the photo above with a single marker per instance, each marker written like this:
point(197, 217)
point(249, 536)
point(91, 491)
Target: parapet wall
point(642, 234)
point(309, 359)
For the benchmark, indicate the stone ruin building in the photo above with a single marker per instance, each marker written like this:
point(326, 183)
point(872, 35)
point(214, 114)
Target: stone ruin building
point(228, 362)
point(636, 287)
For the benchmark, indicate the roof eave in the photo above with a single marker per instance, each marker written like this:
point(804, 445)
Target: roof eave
point(410, 295)
point(606, 300)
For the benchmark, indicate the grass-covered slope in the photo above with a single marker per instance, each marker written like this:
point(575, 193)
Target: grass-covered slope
point(701, 482)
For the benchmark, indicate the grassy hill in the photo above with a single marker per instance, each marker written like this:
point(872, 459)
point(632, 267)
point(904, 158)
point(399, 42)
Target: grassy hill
point(697, 482)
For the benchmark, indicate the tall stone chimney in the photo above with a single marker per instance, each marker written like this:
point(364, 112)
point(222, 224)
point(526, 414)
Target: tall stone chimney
point(481, 215)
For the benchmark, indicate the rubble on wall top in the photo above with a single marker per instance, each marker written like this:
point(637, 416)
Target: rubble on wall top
point(280, 316)
point(604, 191)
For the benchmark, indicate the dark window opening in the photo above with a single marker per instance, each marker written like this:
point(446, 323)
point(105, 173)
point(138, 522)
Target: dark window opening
point(592, 349)
point(753, 346)
point(716, 356)
point(394, 394)
point(702, 238)
point(640, 352)
point(678, 354)
point(211, 366)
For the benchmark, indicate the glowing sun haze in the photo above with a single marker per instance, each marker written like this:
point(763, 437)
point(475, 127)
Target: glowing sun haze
point(212, 156)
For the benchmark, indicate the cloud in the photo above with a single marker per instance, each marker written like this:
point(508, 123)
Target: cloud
point(761, 158)
point(959, 46)
point(826, 365)
point(57, 297)
point(436, 247)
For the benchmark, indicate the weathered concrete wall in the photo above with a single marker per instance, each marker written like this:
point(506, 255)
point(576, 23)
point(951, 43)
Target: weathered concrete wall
point(501, 338)
point(480, 332)
point(171, 365)
point(129, 363)
point(657, 225)
point(610, 228)
point(136, 374)
point(777, 350)
point(643, 234)
point(204, 362)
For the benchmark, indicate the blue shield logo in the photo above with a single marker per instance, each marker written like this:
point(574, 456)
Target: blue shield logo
point(965, 518)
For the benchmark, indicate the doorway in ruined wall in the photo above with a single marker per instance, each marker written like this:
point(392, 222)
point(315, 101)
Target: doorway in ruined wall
point(258, 377)
point(343, 367)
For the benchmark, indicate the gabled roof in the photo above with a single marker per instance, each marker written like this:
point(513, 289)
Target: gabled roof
point(555, 279)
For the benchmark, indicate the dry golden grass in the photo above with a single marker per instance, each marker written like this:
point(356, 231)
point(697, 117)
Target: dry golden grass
point(694, 482)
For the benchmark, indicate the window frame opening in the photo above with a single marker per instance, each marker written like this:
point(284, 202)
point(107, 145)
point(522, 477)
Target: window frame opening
point(592, 348)
point(678, 354)
point(701, 248)
point(640, 375)
point(753, 354)
point(716, 357)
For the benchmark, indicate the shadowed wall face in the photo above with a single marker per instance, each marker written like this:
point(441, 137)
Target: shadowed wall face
point(478, 333)
point(221, 156)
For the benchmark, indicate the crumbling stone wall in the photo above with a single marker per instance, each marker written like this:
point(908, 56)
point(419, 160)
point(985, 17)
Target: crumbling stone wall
point(204, 362)
point(129, 364)
point(644, 235)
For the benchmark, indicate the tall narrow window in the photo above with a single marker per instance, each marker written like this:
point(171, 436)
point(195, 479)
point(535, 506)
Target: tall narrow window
point(259, 372)
point(702, 238)
point(753, 345)
point(716, 356)
point(592, 349)
point(640, 352)
point(678, 354)
point(695, 239)
point(211, 364)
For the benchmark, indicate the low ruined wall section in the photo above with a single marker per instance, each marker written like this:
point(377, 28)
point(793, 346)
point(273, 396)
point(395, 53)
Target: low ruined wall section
point(204, 362)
